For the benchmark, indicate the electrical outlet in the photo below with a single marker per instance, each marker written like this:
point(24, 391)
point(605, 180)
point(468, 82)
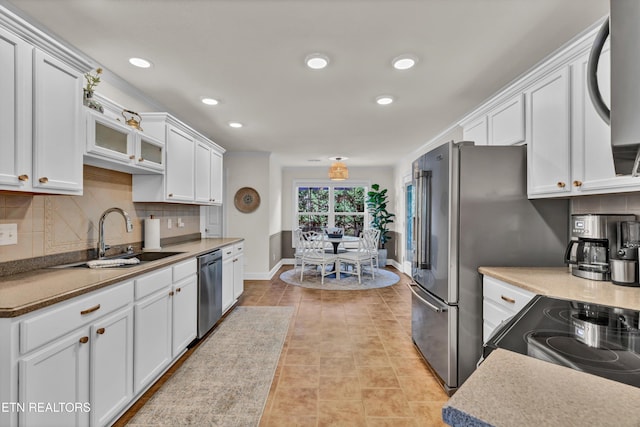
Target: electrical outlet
point(8, 234)
point(169, 223)
point(180, 223)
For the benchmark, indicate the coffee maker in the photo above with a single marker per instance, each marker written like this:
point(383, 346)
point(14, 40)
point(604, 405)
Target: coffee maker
point(624, 266)
point(595, 239)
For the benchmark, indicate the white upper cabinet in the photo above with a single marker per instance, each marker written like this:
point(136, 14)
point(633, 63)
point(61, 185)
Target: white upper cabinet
point(192, 162)
point(57, 98)
point(15, 112)
point(111, 144)
point(40, 101)
point(476, 131)
point(506, 125)
point(548, 140)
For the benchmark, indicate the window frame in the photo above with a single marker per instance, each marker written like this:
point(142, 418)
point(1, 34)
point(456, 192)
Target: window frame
point(331, 214)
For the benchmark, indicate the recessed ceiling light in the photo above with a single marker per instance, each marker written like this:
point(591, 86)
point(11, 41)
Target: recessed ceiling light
point(235, 124)
point(209, 101)
point(316, 61)
point(384, 100)
point(404, 62)
point(139, 62)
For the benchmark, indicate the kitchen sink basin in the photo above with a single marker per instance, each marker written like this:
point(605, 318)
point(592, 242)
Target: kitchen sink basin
point(142, 256)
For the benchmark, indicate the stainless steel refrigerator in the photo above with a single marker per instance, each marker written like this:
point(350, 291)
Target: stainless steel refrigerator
point(471, 210)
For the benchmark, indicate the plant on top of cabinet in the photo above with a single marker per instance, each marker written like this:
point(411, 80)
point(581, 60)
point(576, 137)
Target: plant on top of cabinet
point(92, 81)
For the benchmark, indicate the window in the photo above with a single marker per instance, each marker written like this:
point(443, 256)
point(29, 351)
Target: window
point(320, 205)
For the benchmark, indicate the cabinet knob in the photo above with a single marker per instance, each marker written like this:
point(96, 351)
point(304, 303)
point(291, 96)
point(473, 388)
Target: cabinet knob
point(100, 331)
point(84, 340)
point(171, 293)
point(178, 290)
point(133, 156)
point(170, 195)
point(24, 177)
point(43, 180)
point(577, 183)
point(561, 184)
point(141, 159)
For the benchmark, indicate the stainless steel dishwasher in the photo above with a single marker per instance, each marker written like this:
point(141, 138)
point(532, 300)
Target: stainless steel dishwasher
point(209, 290)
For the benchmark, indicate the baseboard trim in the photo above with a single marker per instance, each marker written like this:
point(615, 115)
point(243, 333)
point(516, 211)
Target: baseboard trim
point(264, 276)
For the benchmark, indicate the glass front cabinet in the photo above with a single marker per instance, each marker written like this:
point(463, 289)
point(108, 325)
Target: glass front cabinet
point(114, 145)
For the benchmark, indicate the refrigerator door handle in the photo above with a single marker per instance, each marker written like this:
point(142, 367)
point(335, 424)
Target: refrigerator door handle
point(423, 215)
point(427, 303)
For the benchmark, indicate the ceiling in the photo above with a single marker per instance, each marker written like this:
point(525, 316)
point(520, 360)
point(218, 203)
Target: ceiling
point(250, 55)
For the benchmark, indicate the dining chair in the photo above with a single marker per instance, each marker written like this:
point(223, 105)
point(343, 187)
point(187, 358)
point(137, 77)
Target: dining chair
point(314, 254)
point(356, 259)
point(371, 238)
point(299, 247)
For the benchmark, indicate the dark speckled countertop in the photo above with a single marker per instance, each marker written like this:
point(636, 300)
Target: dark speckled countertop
point(26, 292)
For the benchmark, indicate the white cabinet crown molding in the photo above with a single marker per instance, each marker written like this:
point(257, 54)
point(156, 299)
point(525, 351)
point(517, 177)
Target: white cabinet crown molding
point(557, 59)
point(10, 19)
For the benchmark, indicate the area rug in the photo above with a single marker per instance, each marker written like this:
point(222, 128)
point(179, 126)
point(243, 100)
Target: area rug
point(383, 278)
point(226, 381)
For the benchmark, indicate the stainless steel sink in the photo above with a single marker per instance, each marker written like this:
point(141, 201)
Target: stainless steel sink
point(142, 256)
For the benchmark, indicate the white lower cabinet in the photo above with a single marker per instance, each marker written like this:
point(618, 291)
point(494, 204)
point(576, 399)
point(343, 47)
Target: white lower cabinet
point(500, 301)
point(185, 314)
point(227, 278)
point(232, 274)
point(111, 366)
point(84, 361)
point(152, 337)
point(58, 372)
point(84, 377)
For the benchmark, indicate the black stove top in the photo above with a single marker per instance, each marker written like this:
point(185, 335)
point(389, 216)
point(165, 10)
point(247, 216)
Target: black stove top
point(597, 339)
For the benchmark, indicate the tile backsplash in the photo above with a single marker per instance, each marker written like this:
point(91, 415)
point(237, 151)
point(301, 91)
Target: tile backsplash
point(622, 203)
point(49, 224)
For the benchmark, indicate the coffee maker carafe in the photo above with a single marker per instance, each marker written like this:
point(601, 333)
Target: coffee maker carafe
point(594, 240)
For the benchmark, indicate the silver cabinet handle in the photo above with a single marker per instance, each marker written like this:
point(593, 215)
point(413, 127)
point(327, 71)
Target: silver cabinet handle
point(427, 303)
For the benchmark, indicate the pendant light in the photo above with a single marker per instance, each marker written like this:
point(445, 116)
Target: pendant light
point(338, 170)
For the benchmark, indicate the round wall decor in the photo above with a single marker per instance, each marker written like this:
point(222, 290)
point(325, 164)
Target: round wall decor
point(246, 200)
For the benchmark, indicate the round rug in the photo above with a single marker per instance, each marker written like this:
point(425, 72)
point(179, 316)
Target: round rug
point(347, 282)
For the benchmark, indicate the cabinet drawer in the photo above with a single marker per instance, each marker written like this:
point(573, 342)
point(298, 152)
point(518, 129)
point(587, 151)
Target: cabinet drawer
point(65, 317)
point(509, 297)
point(152, 282)
point(495, 314)
point(238, 247)
point(185, 269)
point(227, 252)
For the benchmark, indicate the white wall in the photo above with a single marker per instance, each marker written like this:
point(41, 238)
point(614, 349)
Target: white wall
point(275, 196)
point(249, 170)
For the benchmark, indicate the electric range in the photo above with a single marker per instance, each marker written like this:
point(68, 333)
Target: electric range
point(597, 339)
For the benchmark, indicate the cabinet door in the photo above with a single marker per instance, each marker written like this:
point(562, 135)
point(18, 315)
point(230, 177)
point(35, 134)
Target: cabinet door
point(149, 153)
point(57, 373)
point(227, 282)
point(57, 151)
point(506, 122)
point(185, 313)
point(203, 172)
point(476, 131)
point(548, 143)
point(238, 275)
point(152, 337)
point(111, 366)
point(216, 177)
point(180, 165)
point(15, 112)
point(109, 139)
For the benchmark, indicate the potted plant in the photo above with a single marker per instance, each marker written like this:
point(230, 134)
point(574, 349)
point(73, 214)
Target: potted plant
point(380, 218)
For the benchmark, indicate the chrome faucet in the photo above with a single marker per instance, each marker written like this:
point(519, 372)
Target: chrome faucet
point(102, 247)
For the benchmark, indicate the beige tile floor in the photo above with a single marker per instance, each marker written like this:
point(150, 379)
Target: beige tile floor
point(348, 359)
